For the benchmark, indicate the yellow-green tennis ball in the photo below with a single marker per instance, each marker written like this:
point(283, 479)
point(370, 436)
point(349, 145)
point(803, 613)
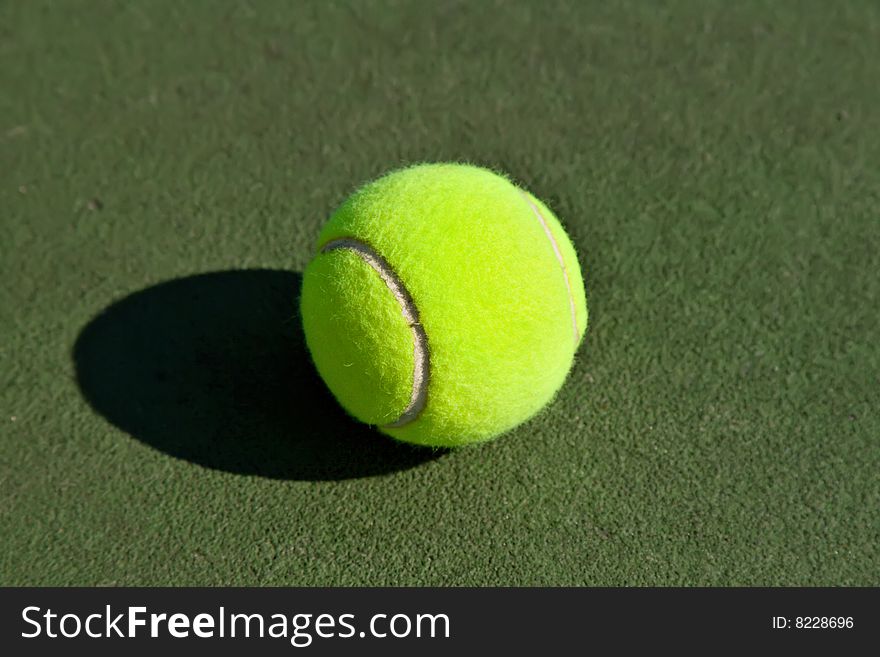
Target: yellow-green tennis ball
point(444, 304)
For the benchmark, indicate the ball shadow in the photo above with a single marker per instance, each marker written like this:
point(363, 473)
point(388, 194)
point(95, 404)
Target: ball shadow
point(213, 369)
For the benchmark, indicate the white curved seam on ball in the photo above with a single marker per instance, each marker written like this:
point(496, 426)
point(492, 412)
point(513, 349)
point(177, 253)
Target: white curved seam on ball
point(421, 359)
point(561, 261)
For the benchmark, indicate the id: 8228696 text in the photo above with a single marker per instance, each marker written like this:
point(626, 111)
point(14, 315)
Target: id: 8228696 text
point(813, 623)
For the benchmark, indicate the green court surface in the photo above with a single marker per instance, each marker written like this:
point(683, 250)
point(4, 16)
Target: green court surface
point(164, 171)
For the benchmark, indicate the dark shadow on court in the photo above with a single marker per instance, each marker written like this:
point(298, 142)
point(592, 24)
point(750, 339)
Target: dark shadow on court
point(213, 369)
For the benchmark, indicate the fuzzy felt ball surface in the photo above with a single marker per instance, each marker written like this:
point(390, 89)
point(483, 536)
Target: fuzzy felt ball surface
point(444, 304)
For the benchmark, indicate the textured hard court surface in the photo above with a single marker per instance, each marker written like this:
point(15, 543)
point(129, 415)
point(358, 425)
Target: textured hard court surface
point(166, 167)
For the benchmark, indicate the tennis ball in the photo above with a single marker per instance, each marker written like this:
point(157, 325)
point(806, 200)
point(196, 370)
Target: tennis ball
point(444, 305)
